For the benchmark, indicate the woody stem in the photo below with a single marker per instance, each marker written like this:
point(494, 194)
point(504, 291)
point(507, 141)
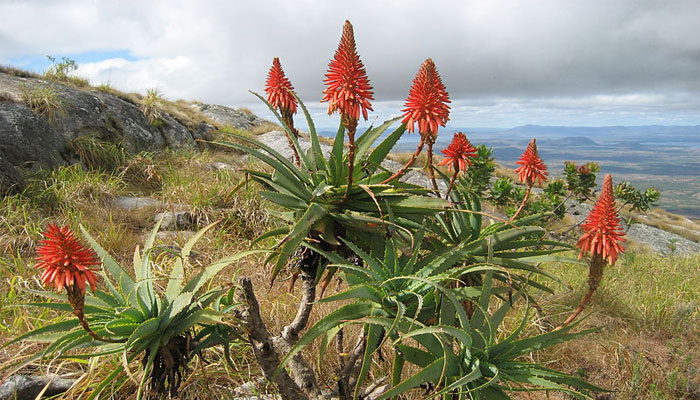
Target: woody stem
point(527, 195)
point(410, 162)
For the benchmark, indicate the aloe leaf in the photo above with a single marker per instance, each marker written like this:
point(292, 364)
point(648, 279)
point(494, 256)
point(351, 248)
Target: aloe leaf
point(177, 275)
point(355, 292)
point(430, 373)
point(299, 231)
point(306, 163)
point(321, 162)
point(283, 165)
point(271, 233)
point(336, 157)
point(380, 152)
point(367, 139)
point(209, 272)
point(46, 330)
point(123, 279)
point(284, 200)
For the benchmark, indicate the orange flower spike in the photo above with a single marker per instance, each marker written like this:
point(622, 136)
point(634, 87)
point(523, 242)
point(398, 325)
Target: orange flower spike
point(427, 101)
point(531, 166)
point(65, 260)
point(279, 88)
point(348, 89)
point(602, 231)
point(458, 153)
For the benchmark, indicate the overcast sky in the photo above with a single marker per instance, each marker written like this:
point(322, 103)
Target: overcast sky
point(505, 63)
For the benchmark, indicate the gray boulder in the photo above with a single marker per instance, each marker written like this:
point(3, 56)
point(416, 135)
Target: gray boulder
point(223, 116)
point(28, 387)
point(176, 220)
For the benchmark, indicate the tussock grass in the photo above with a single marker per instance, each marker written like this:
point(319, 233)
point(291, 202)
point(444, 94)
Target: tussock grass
point(152, 105)
point(97, 154)
point(43, 100)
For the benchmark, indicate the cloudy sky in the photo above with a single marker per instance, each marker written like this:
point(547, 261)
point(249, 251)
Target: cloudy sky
point(505, 63)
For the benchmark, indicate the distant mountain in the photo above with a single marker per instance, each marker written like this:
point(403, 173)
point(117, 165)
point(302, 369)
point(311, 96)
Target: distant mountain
point(692, 131)
point(574, 141)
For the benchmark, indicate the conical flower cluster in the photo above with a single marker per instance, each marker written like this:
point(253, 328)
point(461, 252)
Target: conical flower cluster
point(531, 166)
point(458, 153)
point(427, 100)
point(602, 232)
point(279, 89)
point(348, 90)
point(65, 260)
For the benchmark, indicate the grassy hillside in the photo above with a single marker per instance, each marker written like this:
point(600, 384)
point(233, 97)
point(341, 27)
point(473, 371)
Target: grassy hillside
point(648, 346)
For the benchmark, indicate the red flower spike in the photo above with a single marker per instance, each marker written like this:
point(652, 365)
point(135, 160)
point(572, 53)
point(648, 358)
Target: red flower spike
point(458, 153)
point(427, 100)
point(348, 90)
point(65, 260)
point(602, 231)
point(531, 166)
point(279, 88)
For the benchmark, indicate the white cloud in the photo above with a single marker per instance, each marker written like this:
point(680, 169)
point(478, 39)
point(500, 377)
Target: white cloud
point(506, 61)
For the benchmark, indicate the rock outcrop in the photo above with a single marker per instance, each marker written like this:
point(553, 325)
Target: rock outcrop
point(29, 139)
point(227, 116)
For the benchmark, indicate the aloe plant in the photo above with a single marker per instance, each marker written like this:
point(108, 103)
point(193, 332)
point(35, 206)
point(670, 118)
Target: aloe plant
point(416, 295)
point(160, 329)
point(315, 197)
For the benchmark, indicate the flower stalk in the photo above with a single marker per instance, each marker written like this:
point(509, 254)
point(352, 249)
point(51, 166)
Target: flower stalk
point(531, 169)
point(279, 94)
point(348, 91)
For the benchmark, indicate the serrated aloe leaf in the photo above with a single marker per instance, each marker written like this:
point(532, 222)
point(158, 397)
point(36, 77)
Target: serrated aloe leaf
point(367, 139)
point(209, 272)
point(299, 231)
point(430, 373)
point(380, 152)
point(321, 162)
point(177, 275)
point(123, 279)
point(63, 326)
point(306, 164)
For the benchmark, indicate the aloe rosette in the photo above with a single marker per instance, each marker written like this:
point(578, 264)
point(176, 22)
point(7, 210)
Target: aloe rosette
point(139, 322)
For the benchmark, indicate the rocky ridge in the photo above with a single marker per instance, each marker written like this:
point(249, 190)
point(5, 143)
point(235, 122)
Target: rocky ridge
point(29, 139)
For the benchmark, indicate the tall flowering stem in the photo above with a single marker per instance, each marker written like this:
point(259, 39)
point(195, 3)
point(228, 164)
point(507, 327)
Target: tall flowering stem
point(68, 264)
point(348, 90)
point(457, 157)
point(602, 238)
point(426, 107)
point(531, 169)
point(279, 94)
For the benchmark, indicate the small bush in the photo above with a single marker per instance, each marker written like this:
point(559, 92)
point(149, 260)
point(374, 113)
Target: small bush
point(43, 100)
point(63, 71)
point(152, 105)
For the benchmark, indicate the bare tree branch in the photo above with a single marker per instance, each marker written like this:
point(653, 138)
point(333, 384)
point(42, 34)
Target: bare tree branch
point(263, 346)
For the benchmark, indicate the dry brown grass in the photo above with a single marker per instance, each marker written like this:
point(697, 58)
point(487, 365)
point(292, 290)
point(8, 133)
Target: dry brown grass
point(6, 69)
point(265, 128)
